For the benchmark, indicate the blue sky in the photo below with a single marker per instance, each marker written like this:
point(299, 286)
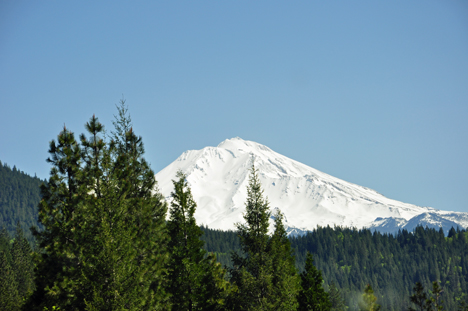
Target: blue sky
point(373, 92)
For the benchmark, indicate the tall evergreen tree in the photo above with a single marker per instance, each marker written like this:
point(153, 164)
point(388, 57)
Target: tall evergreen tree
point(104, 237)
point(192, 280)
point(127, 223)
point(60, 212)
point(252, 272)
point(145, 214)
point(286, 281)
point(312, 295)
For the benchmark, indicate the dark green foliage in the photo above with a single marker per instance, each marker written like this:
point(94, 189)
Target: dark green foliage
point(16, 270)
point(392, 264)
point(336, 300)
point(195, 282)
point(352, 258)
point(104, 238)
point(9, 298)
point(423, 302)
point(22, 264)
point(286, 282)
point(127, 221)
point(263, 271)
point(252, 271)
point(254, 233)
point(185, 248)
point(312, 295)
point(60, 212)
point(216, 289)
point(462, 306)
point(5, 240)
point(19, 196)
point(418, 298)
point(221, 243)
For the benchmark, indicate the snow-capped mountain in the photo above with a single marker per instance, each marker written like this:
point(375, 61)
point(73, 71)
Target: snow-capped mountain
point(218, 177)
point(430, 220)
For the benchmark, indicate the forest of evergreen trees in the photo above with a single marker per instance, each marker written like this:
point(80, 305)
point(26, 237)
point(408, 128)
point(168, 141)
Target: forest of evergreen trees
point(105, 240)
point(16, 269)
point(19, 197)
point(350, 259)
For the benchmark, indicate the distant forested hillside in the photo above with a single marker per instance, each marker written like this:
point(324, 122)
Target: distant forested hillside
point(19, 196)
point(352, 258)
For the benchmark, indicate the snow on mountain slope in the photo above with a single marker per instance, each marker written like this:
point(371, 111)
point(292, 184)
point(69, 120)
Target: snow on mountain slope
point(218, 177)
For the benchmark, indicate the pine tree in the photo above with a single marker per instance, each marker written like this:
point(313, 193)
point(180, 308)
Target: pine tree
point(60, 212)
point(286, 281)
point(185, 248)
point(131, 223)
point(252, 272)
point(195, 282)
point(111, 254)
point(104, 237)
point(312, 295)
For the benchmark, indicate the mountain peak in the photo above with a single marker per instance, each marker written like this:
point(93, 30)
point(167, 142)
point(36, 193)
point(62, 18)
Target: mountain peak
point(218, 177)
point(239, 144)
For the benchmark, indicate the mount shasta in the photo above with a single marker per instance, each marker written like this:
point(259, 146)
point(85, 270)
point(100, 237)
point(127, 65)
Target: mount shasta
point(218, 177)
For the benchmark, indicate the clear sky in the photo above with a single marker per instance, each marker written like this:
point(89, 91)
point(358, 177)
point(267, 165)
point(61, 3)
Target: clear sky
point(372, 92)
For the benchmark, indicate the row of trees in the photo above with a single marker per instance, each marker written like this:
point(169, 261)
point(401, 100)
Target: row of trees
point(106, 244)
